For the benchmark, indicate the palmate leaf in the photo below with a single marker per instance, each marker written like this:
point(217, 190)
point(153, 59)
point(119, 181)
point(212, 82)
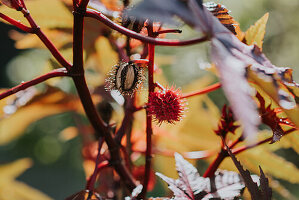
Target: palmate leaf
point(233, 59)
point(191, 186)
point(255, 34)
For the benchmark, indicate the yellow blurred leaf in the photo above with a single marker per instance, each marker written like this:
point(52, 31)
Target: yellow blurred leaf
point(48, 14)
point(271, 164)
point(274, 91)
point(68, 133)
point(107, 57)
point(11, 189)
point(52, 102)
point(24, 41)
point(12, 170)
point(255, 34)
point(293, 141)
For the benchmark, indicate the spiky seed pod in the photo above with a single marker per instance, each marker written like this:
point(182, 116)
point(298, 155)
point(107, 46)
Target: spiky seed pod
point(125, 77)
point(167, 105)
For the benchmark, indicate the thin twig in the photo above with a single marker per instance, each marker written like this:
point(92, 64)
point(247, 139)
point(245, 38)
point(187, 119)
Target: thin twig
point(16, 23)
point(36, 30)
point(98, 166)
point(40, 79)
point(155, 41)
point(244, 148)
point(96, 121)
point(223, 153)
point(208, 89)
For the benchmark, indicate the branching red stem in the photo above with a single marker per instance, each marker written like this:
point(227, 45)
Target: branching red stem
point(155, 41)
point(57, 55)
point(16, 23)
point(215, 164)
point(223, 153)
point(98, 166)
point(208, 89)
point(36, 30)
point(40, 79)
point(96, 121)
point(244, 148)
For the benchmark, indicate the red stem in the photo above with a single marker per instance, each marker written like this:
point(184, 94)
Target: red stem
point(98, 166)
point(149, 129)
point(223, 153)
point(57, 55)
point(16, 23)
point(203, 91)
point(155, 41)
point(241, 149)
point(127, 121)
point(215, 164)
point(40, 79)
point(36, 30)
point(96, 121)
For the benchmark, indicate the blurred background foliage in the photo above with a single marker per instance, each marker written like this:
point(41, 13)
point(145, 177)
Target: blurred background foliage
point(55, 149)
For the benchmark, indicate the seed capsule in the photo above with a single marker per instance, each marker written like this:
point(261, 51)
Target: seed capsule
point(125, 77)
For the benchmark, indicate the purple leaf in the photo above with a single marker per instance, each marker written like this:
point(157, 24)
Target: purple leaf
point(191, 186)
point(265, 189)
point(189, 178)
point(227, 185)
point(174, 186)
point(256, 194)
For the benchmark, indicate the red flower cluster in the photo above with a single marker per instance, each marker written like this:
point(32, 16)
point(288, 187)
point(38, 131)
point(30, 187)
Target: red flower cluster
point(166, 105)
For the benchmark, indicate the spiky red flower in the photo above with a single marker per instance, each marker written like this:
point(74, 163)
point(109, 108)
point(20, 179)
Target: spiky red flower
point(166, 105)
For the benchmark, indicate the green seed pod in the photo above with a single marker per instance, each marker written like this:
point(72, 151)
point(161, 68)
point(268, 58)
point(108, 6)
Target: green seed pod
point(125, 77)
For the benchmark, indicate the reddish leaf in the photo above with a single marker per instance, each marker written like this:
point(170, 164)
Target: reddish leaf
point(226, 123)
point(223, 16)
point(270, 117)
point(191, 186)
point(265, 189)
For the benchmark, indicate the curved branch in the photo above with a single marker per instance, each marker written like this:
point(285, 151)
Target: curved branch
point(155, 41)
point(24, 85)
point(54, 51)
point(84, 94)
point(16, 23)
point(203, 91)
